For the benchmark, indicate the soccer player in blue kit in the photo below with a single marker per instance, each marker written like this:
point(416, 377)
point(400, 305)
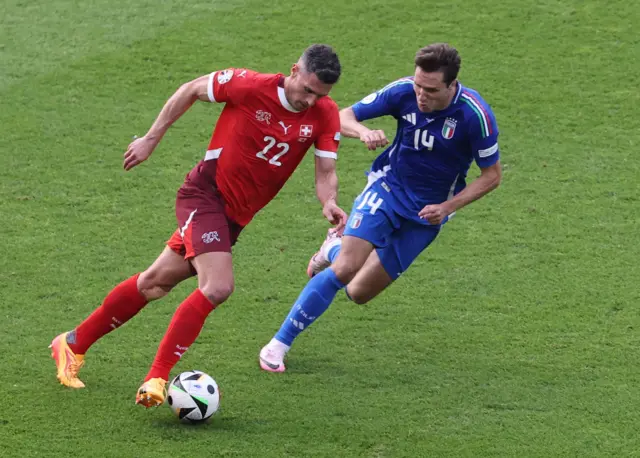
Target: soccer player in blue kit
point(413, 187)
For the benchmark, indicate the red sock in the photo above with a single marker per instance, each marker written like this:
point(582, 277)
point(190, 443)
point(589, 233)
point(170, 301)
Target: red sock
point(120, 305)
point(183, 330)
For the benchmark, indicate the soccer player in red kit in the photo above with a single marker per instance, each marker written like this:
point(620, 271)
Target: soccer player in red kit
point(268, 123)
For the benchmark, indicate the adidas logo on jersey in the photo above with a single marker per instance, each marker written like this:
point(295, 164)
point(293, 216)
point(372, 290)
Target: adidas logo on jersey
point(411, 117)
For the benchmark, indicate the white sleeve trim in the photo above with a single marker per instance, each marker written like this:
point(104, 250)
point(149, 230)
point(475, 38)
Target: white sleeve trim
point(327, 154)
point(489, 151)
point(210, 88)
point(212, 154)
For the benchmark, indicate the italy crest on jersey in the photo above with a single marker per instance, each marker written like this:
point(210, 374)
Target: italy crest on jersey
point(449, 128)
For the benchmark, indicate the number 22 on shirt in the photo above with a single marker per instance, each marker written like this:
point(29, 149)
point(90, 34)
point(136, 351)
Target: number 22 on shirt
point(282, 147)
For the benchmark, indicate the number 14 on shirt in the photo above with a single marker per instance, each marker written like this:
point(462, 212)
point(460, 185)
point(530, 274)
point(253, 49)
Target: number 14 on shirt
point(422, 138)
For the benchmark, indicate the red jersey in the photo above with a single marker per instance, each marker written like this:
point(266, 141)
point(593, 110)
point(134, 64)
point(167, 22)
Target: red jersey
point(260, 139)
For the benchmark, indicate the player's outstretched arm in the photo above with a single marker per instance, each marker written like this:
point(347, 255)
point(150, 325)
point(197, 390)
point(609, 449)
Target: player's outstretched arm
point(327, 191)
point(488, 180)
point(351, 127)
point(140, 149)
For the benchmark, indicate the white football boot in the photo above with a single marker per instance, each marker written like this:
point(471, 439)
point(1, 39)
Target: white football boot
point(272, 356)
point(320, 260)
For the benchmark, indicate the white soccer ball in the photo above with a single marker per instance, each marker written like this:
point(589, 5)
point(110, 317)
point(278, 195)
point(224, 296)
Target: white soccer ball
point(193, 396)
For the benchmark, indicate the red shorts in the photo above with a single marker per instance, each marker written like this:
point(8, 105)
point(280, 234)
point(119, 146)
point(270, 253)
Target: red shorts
point(203, 226)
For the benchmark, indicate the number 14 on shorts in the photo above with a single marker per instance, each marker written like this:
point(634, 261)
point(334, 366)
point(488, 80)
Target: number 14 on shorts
point(370, 201)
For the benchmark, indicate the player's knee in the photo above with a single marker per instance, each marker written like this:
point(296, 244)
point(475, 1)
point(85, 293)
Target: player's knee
point(357, 295)
point(217, 292)
point(154, 284)
point(344, 269)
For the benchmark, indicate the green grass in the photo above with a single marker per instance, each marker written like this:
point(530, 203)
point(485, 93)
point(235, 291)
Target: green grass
point(515, 335)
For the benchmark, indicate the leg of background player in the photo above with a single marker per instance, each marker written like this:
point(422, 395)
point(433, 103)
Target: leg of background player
point(370, 280)
point(315, 299)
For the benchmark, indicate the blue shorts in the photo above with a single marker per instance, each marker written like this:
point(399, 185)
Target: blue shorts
point(398, 240)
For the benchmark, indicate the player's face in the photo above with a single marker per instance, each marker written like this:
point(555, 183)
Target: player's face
point(432, 93)
point(305, 89)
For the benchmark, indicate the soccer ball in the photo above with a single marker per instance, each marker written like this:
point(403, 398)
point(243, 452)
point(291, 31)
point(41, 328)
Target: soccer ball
point(193, 396)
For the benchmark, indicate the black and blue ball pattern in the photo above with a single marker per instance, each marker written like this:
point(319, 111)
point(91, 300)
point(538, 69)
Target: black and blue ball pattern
point(193, 396)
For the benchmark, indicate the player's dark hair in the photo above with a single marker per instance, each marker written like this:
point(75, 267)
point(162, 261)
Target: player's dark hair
point(439, 57)
point(323, 61)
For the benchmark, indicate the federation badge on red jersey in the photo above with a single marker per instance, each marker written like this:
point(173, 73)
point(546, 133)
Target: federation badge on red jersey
point(263, 116)
point(306, 130)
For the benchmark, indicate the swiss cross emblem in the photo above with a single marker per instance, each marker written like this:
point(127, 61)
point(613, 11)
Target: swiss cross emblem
point(306, 130)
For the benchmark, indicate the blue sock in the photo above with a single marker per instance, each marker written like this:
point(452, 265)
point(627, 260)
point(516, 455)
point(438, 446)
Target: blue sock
point(332, 255)
point(333, 252)
point(314, 299)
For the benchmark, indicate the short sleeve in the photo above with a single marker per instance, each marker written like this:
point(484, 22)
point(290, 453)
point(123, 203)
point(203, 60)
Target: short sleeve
point(329, 139)
point(383, 102)
point(483, 134)
point(229, 86)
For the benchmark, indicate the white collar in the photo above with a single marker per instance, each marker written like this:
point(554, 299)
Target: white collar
point(283, 100)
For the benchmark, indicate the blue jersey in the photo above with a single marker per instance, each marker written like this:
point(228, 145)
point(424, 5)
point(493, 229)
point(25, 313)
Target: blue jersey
point(428, 160)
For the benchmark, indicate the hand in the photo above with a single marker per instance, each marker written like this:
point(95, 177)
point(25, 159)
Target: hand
point(334, 214)
point(374, 139)
point(435, 213)
point(138, 151)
